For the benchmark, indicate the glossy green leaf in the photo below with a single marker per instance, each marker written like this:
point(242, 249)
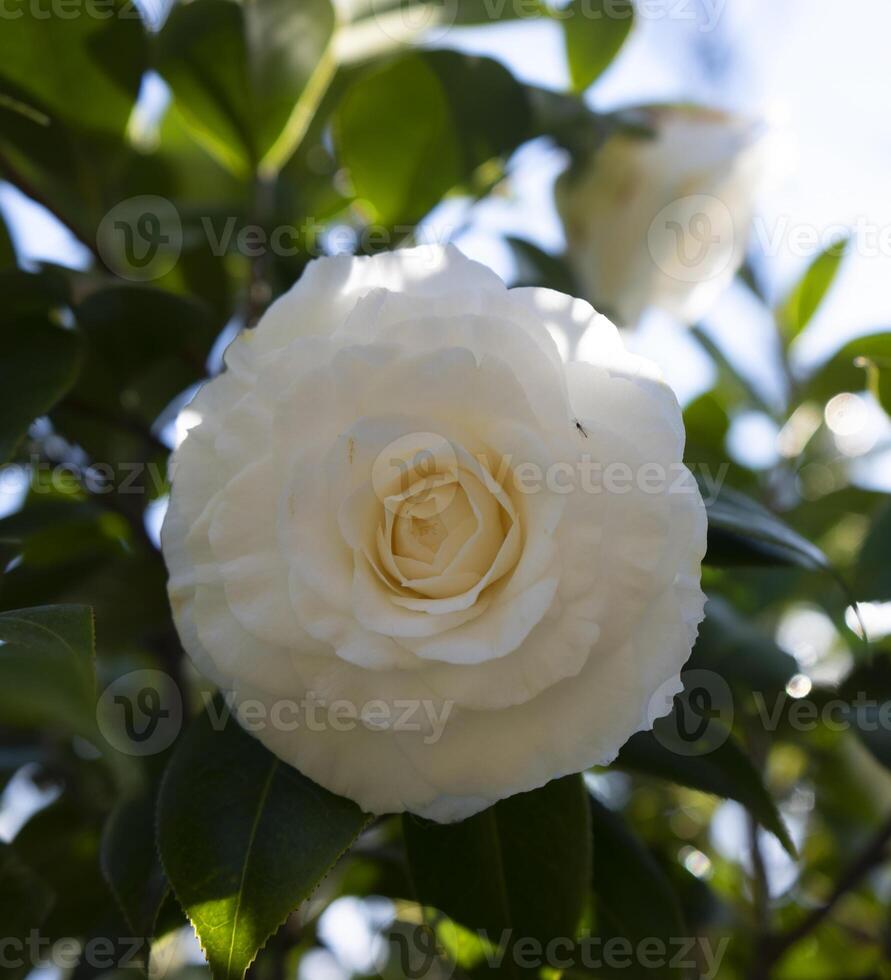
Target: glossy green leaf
point(633, 897)
point(742, 532)
point(46, 669)
point(805, 299)
point(521, 865)
point(244, 838)
point(248, 76)
point(594, 31)
point(455, 113)
point(40, 359)
point(85, 69)
point(721, 768)
point(130, 863)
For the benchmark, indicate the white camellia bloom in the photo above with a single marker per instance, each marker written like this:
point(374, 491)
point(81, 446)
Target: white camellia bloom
point(662, 217)
point(443, 565)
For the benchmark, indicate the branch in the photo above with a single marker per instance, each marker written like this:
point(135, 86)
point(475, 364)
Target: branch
point(876, 853)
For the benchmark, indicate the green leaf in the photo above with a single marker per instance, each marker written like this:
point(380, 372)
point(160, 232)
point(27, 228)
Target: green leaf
point(244, 838)
point(248, 76)
point(40, 359)
point(734, 647)
point(64, 532)
point(805, 299)
point(535, 267)
point(625, 872)
point(144, 346)
point(61, 844)
point(722, 768)
point(86, 69)
point(593, 32)
point(743, 532)
point(46, 669)
point(862, 364)
point(868, 690)
point(878, 379)
point(130, 863)
point(66, 170)
point(25, 902)
point(455, 114)
point(873, 568)
point(521, 865)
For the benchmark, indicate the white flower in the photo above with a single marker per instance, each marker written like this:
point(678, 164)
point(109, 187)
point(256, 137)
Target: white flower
point(661, 218)
point(446, 553)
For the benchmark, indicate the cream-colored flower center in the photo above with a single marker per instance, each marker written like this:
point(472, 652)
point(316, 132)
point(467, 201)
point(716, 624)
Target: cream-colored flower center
point(447, 534)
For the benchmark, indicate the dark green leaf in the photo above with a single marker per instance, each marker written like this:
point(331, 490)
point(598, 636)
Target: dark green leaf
point(143, 346)
point(85, 69)
point(536, 267)
point(722, 768)
point(736, 649)
point(873, 569)
point(634, 899)
point(131, 865)
point(46, 669)
point(61, 844)
point(40, 359)
point(66, 170)
point(594, 31)
point(244, 838)
point(805, 299)
point(521, 865)
point(455, 113)
point(248, 76)
point(868, 690)
point(55, 529)
point(742, 532)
